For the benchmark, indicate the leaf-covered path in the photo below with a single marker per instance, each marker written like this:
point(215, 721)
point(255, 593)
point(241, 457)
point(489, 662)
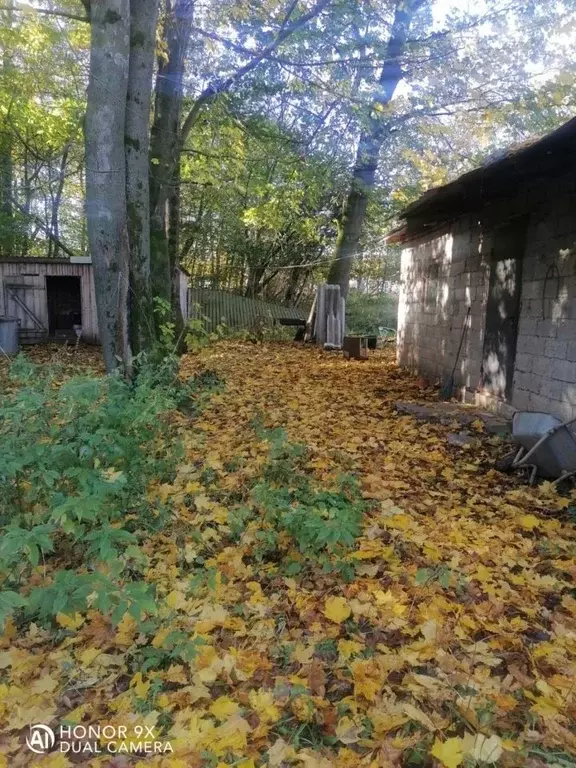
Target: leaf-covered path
point(456, 635)
point(421, 614)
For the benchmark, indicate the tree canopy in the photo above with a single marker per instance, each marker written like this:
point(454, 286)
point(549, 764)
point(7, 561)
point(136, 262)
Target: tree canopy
point(266, 145)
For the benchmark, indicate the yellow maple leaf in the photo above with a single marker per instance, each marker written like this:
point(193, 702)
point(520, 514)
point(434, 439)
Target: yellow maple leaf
point(45, 684)
point(303, 708)
point(162, 701)
point(279, 752)
point(347, 648)
point(176, 674)
point(485, 749)
point(140, 687)
point(336, 609)
point(418, 716)
point(347, 731)
point(302, 654)
point(160, 637)
point(262, 702)
point(76, 715)
point(449, 752)
point(231, 735)
point(176, 600)
point(88, 656)
point(224, 707)
point(528, 522)
point(70, 622)
point(53, 761)
point(126, 631)
point(367, 678)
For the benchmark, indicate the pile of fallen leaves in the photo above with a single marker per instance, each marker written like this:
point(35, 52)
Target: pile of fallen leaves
point(450, 640)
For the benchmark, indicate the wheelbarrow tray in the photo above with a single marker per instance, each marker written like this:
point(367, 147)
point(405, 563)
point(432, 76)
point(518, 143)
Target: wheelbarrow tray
point(556, 455)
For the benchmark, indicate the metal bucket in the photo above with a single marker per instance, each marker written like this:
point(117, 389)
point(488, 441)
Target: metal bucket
point(9, 327)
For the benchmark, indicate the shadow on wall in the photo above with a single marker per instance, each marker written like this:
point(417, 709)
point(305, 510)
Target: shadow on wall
point(442, 277)
point(520, 285)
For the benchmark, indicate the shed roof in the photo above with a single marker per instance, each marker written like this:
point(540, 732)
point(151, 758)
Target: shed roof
point(545, 157)
point(72, 260)
point(32, 260)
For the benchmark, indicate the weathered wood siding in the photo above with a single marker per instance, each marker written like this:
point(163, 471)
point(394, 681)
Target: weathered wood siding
point(28, 278)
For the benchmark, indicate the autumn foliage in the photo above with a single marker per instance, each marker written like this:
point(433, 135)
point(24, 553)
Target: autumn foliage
point(333, 584)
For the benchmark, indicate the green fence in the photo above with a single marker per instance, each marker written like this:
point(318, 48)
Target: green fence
point(237, 311)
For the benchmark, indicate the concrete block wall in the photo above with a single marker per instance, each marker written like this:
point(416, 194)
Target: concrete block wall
point(429, 331)
point(545, 373)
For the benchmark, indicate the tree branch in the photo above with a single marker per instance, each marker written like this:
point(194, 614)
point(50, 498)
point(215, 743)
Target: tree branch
point(47, 231)
point(214, 90)
point(62, 14)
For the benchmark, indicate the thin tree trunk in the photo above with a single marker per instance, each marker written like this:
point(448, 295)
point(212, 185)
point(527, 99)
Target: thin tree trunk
point(143, 18)
point(27, 203)
point(83, 232)
point(6, 162)
point(174, 252)
point(165, 141)
point(255, 275)
point(106, 175)
point(371, 140)
point(57, 199)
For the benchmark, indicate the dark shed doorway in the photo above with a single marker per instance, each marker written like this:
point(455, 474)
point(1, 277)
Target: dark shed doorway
point(64, 305)
point(503, 309)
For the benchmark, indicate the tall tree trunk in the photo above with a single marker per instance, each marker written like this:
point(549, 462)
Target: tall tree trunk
point(27, 189)
point(165, 141)
point(174, 205)
point(369, 146)
point(168, 137)
point(106, 174)
point(6, 162)
point(83, 232)
point(57, 199)
point(6, 190)
point(293, 279)
point(143, 18)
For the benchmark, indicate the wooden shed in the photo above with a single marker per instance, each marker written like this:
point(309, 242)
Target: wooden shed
point(49, 297)
point(53, 298)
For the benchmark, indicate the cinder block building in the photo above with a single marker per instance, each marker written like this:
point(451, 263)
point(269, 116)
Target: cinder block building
point(499, 242)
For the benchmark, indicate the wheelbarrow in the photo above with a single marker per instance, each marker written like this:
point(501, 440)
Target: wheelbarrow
point(547, 446)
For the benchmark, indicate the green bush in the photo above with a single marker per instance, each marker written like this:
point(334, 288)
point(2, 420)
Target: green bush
point(76, 461)
point(366, 314)
point(292, 517)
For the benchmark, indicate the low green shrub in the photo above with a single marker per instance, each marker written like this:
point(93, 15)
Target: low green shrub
point(77, 458)
point(367, 314)
point(296, 524)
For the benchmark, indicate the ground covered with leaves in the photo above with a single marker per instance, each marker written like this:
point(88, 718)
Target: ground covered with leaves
point(333, 584)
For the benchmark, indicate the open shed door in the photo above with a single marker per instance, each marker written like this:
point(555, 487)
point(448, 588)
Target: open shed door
point(503, 309)
point(25, 303)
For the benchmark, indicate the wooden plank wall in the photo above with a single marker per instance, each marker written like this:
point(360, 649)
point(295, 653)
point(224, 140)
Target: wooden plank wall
point(32, 273)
